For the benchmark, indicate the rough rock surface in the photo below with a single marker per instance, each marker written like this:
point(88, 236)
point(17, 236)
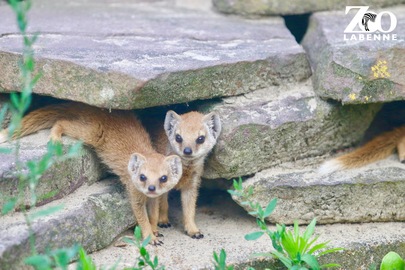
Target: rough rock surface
point(355, 71)
point(225, 225)
point(373, 193)
point(92, 216)
point(61, 179)
point(279, 124)
point(280, 7)
point(132, 54)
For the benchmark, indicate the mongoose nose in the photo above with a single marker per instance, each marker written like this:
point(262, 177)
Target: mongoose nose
point(187, 151)
point(151, 188)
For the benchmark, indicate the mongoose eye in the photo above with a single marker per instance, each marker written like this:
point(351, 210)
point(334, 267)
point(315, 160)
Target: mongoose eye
point(179, 139)
point(163, 179)
point(142, 177)
point(200, 139)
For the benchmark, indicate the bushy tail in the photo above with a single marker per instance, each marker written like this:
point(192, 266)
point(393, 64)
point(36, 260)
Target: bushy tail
point(378, 148)
point(43, 118)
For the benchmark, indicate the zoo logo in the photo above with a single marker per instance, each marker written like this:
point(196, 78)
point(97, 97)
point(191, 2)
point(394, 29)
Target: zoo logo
point(363, 18)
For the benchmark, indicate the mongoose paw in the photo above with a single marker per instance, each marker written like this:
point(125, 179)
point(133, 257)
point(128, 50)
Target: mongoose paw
point(197, 235)
point(157, 234)
point(164, 225)
point(156, 242)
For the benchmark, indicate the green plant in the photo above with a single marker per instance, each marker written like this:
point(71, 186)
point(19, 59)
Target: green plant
point(220, 261)
point(392, 261)
point(35, 168)
point(296, 251)
point(144, 260)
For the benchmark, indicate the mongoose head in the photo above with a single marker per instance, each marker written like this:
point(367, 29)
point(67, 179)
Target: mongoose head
point(192, 135)
point(155, 175)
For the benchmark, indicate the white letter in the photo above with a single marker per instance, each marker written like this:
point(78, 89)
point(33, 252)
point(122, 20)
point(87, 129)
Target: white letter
point(356, 19)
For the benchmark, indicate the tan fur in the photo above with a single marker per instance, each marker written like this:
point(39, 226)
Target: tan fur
point(379, 148)
point(189, 126)
point(123, 145)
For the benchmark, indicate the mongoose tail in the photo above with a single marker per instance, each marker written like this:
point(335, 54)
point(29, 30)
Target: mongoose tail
point(376, 149)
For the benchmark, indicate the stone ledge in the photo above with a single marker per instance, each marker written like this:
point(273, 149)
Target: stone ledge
point(267, 127)
point(92, 217)
point(224, 227)
point(128, 56)
point(345, 70)
point(61, 179)
point(373, 193)
point(279, 7)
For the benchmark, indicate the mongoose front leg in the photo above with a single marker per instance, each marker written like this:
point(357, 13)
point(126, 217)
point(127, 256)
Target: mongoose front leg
point(153, 207)
point(138, 203)
point(164, 212)
point(188, 200)
point(401, 149)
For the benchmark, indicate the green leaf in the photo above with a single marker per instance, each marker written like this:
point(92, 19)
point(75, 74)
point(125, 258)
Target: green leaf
point(143, 251)
point(39, 262)
point(5, 150)
point(129, 240)
point(146, 241)
point(330, 265)
point(222, 257)
point(253, 236)
point(270, 208)
point(286, 261)
point(310, 230)
point(85, 262)
point(155, 261)
point(46, 212)
point(138, 233)
point(8, 206)
point(311, 261)
point(262, 254)
point(3, 112)
point(392, 261)
point(15, 100)
point(233, 192)
point(330, 251)
point(317, 247)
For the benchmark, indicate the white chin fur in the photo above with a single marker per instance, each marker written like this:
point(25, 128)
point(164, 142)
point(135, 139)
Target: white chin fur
point(329, 166)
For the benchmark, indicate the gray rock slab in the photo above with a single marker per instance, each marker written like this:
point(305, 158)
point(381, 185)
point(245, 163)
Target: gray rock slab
point(225, 224)
point(374, 193)
point(270, 126)
point(135, 54)
point(352, 70)
point(61, 179)
point(92, 217)
point(279, 7)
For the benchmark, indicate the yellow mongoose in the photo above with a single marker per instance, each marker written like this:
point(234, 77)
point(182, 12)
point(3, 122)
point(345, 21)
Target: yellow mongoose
point(191, 136)
point(123, 145)
point(378, 148)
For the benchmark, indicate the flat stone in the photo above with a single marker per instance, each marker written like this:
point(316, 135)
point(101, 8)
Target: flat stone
point(373, 193)
point(132, 54)
point(224, 226)
point(279, 7)
point(267, 127)
point(92, 216)
point(355, 71)
point(59, 180)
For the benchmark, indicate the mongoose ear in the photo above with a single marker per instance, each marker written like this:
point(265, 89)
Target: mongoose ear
point(135, 162)
point(213, 122)
point(171, 121)
point(176, 167)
